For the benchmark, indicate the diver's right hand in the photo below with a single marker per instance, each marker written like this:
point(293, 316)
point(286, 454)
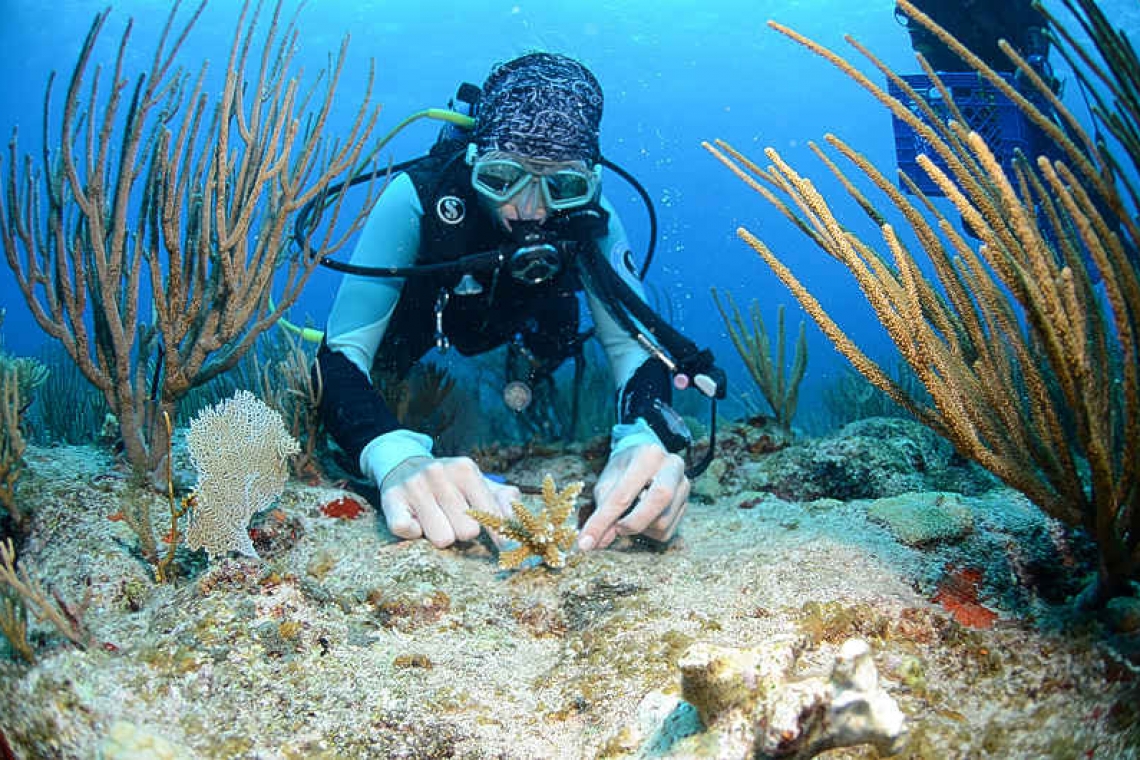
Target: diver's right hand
point(429, 498)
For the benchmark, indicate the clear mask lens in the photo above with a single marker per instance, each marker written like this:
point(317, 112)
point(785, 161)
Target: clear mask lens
point(502, 179)
point(499, 180)
point(568, 188)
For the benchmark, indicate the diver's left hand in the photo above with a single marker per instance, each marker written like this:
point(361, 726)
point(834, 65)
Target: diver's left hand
point(649, 479)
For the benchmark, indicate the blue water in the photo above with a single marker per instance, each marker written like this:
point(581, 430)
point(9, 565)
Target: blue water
point(674, 74)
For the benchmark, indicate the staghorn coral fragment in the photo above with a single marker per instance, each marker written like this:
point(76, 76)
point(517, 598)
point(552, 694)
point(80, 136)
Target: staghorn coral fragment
point(543, 534)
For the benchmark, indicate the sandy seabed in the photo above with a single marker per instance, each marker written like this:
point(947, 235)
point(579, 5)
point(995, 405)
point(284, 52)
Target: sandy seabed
point(343, 643)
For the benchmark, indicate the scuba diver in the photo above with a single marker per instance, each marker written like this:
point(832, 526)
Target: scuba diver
point(979, 24)
point(486, 241)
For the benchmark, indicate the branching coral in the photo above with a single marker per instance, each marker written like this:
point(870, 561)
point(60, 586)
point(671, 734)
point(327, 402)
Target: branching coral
point(12, 444)
point(292, 384)
point(14, 624)
point(158, 201)
point(779, 383)
point(1033, 370)
point(19, 377)
point(22, 593)
point(544, 534)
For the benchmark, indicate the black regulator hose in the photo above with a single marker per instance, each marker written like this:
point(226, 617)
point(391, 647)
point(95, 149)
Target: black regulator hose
point(302, 225)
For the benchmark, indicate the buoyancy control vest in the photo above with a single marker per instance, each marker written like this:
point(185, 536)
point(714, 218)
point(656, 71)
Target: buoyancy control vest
point(436, 309)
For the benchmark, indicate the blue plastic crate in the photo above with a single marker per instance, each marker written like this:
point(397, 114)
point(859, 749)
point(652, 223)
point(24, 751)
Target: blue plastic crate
point(986, 110)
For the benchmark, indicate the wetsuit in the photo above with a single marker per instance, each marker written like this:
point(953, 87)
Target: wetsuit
point(390, 322)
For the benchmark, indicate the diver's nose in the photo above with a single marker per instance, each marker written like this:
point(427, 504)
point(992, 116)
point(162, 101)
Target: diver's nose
point(530, 203)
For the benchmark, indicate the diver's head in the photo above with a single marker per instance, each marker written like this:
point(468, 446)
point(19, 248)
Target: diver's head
point(544, 106)
point(534, 151)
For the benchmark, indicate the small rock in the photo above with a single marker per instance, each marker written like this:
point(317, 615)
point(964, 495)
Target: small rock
point(127, 741)
point(752, 705)
point(1123, 614)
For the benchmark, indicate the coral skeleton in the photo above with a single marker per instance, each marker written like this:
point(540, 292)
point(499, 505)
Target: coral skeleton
point(543, 534)
point(752, 704)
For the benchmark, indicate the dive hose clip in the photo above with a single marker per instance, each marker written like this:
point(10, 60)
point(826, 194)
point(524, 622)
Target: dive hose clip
point(441, 340)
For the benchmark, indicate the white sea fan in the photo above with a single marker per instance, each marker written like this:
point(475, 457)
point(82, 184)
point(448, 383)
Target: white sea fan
point(240, 448)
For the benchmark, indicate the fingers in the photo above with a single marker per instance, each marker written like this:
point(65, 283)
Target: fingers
point(619, 485)
point(656, 507)
point(398, 515)
point(431, 499)
point(654, 483)
point(502, 496)
point(625, 477)
point(458, 486)
point(505, 496)
point(665, 526)
point(487, 495)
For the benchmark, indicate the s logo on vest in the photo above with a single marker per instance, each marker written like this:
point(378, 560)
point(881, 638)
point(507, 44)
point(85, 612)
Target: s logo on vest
point(450, 209)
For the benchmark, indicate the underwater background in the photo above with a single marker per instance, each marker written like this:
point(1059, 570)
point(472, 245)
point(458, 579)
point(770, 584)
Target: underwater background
point(674, 74)
point(814, 562)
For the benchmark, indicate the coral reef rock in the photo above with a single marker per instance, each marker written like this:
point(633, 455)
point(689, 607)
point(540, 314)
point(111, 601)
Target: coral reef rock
point(867, 459)
point(752, 706)
point(922, 518)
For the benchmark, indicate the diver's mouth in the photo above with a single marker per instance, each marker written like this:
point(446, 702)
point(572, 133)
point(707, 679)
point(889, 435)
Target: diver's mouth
point(509, 223)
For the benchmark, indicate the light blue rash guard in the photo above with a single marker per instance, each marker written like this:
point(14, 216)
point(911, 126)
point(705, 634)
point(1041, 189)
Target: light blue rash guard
point(364, 306)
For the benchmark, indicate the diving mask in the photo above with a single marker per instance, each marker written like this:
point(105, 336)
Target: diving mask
point(565, 187)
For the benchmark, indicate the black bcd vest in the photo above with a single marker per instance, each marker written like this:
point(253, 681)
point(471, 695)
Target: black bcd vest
point(455, 223)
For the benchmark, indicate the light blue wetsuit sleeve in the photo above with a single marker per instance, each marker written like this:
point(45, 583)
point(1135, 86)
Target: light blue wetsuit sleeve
point(625, 354)
point(364, 306)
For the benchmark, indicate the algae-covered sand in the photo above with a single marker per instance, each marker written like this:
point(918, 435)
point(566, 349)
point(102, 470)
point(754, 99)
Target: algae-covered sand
point(344, 643)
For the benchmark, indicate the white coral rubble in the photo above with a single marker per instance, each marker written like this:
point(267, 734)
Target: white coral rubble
point(751, 706)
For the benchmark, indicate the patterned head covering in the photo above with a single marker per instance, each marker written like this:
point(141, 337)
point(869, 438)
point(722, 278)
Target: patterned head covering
point(543, 106)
